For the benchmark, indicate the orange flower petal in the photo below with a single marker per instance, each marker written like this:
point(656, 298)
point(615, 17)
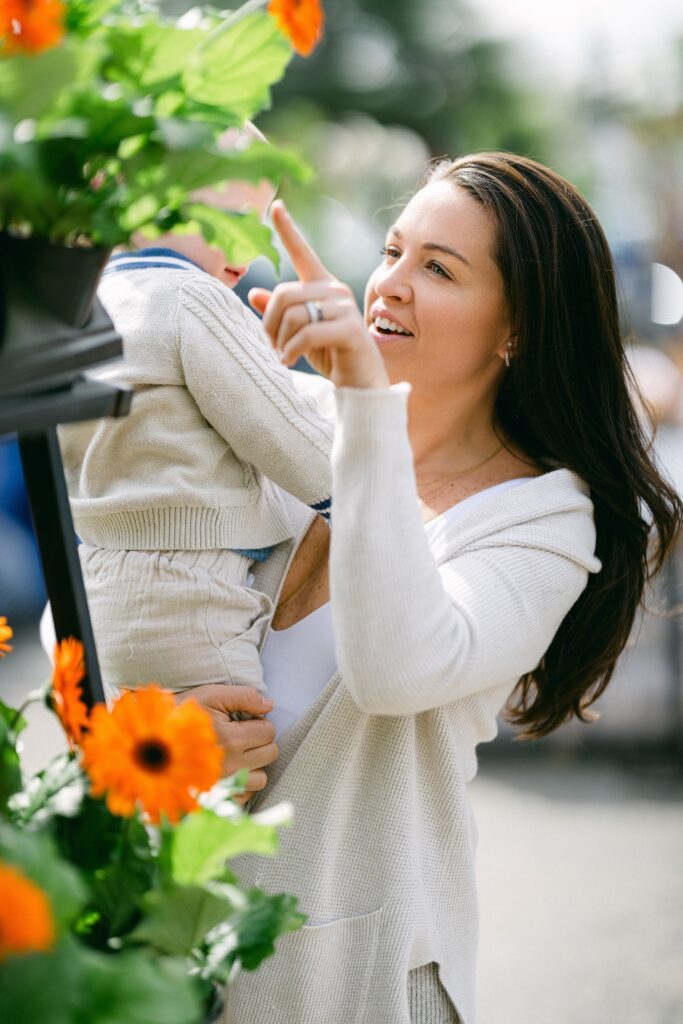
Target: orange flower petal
point(6, 633)
point(26, 923)
point(301, 21)
point(29, 26)
point(150, 752)
point(67, 693)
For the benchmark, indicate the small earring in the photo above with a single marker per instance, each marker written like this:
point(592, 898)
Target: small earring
point(507, 358)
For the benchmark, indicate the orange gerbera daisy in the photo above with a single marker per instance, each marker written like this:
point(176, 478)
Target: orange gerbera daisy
point(29, 26)
point(6, 633)
point(67, 693)
point(26, 923)
point(150, 752)
point(301, 21)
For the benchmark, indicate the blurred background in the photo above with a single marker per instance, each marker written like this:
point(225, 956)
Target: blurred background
point(581, 834)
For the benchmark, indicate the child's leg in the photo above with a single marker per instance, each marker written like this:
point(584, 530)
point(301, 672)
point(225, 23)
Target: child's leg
point(178, 619)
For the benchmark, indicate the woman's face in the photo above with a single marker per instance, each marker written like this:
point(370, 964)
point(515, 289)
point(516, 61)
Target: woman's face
point(435, 306)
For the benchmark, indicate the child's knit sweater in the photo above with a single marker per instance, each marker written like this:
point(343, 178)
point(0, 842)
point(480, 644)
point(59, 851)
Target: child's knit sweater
point(215, 418)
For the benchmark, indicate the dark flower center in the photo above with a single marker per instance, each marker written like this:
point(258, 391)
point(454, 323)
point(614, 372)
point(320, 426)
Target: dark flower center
point(152, 755)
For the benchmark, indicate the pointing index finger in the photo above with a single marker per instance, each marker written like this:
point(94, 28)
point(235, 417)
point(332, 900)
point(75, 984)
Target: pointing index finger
point(305, 260)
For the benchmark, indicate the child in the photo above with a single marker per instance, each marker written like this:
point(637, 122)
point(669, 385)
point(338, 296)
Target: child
point(174, 502)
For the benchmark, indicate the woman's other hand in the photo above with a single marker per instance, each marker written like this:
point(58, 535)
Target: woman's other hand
point(249, 744)
point(336, 344)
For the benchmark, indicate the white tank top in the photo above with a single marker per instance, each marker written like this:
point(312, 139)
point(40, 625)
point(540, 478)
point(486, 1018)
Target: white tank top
point(298, 662)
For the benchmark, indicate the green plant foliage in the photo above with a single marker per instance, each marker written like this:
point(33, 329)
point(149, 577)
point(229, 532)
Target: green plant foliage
point(204, 841)
point(240, 64)
point(178, 917)
point(27, 986)
point(248, 937)
point(111, 131)
point(138, 989)
point(149, 923)
point(242, 235)
point(11, 725)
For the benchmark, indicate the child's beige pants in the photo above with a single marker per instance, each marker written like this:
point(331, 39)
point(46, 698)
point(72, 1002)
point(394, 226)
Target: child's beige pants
point(176, 618)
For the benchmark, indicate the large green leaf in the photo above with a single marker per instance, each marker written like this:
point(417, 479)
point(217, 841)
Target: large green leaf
point(135, 988)
point(177, 918)
point(242, 237)
point(249, 935)
point(42, 988)
point(236, 69)
point(145, 55)
point(203, 842)
point(30, 84)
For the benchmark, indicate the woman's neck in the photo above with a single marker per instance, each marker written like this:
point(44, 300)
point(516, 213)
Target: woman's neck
point(448, 435)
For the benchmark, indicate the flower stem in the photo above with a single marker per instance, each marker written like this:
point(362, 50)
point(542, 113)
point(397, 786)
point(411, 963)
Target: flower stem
point(247, 8)
point(31, 698)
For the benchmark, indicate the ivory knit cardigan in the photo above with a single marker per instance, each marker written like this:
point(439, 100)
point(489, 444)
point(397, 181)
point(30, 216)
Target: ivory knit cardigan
point(430, 644)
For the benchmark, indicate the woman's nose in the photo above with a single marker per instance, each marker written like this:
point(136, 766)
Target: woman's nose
point(392, 282)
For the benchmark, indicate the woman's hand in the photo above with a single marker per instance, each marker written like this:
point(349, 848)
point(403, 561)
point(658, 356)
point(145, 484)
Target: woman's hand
point(337, 343)
point(249, 744)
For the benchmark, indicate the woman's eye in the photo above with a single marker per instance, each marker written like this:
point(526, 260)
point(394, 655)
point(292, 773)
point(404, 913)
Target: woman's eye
point(437, 269)
point(390, 252)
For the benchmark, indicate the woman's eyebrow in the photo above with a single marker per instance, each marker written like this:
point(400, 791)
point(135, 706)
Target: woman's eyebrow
point(435, 246)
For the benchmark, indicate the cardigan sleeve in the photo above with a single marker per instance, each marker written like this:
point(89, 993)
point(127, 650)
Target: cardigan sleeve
point(248, 397)
point(412, 636)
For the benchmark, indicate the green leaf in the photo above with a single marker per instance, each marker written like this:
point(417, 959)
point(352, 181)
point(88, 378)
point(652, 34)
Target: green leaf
point(11, 718)
point(148, 54)
point(135, 988)
point(118, 887)
point(235, 70)
point(85, 16)
point(203, 841)
point(35, 854)
point(11, 724)
point(248, 937)
point(29, 84)
point(141, 212)
point(177, 918)
point(93, 837)
point(42, 988)
point(108, 121)
point(242, 237)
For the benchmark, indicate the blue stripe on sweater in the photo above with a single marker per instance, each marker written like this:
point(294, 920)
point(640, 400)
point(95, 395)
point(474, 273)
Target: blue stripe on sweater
point(151, 257)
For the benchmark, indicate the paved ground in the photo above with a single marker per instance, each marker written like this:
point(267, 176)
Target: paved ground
point(581, 890)
point(580, 874)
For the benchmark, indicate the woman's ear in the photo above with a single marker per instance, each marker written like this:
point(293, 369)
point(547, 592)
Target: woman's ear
point(506, 351)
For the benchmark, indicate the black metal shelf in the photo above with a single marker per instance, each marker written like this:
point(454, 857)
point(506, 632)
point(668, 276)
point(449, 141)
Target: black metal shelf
point(43, 355)
point(84, 400)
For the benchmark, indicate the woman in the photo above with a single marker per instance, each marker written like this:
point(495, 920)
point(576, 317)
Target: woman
point(494, 497)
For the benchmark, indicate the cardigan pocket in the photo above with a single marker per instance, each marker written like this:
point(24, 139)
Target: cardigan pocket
point(321, 974)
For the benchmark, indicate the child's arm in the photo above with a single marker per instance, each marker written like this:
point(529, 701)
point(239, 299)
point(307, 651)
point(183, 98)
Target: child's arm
point(248, 397)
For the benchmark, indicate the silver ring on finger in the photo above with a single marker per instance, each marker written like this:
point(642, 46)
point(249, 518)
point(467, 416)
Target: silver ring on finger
point(315, 311)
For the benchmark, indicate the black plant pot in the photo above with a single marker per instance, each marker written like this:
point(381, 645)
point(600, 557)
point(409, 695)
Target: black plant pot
point(51, 325)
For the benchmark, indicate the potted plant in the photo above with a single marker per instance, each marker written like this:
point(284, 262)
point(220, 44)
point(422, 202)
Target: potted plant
point(109, 118)
point(116, 902)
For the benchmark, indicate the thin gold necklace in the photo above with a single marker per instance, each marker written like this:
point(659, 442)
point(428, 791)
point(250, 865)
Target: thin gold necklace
point(463, 472)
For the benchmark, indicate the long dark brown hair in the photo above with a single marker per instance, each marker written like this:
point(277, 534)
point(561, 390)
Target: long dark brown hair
point(567, 400)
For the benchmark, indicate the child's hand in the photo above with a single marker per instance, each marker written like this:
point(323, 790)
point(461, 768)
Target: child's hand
point(317, 317)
